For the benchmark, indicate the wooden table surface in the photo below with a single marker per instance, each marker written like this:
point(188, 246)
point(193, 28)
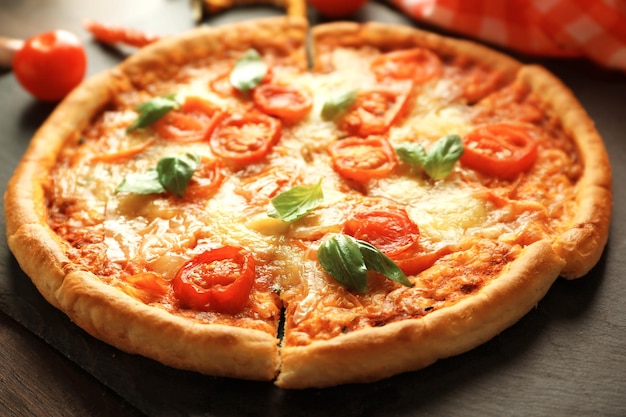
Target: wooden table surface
point(565, 358)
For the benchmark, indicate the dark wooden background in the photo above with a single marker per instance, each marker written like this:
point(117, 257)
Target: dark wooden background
point(565, 358)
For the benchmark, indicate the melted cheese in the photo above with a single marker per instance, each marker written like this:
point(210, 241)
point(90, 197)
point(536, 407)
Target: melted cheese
point(447, 213)
point(159, 233)
point(146, 228)
point(153, 228)
point(432, 125)
point(444, 212)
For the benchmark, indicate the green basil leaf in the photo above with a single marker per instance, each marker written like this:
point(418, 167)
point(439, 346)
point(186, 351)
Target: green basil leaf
point(381, 263)
point(296, 202)
point(248, 72)
point(347, 260)
point(172, 173)
point(338, 103)
point(176, 171)
point(341, 257)
point(143, 183)
point(412, 153)
point(439, 161)
point(153, 110)
point(442, 156)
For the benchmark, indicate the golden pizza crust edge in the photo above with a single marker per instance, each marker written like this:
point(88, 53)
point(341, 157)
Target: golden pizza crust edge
point(37, 249)
point(105, 312)
point(583, 243)
point(184, 343)
point(285, 35)
point(375, 353)
point(389, 37)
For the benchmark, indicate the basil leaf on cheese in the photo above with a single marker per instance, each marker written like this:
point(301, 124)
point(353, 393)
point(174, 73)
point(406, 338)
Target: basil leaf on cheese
point(153, 110)
point(347, 260)
point(176, 171)
point(341, 257)
point(440, 159)
point(296, 202)
point(381, 263)
point(338, 103)
point(248, 72)
point(412, 153)
point(442, 156)
point(172, 173)
point(141, 183)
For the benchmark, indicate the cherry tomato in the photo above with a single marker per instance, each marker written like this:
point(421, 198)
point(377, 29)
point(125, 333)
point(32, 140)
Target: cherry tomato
point(417, 64)
point(390, 230)
point(245, 139)
point(336, 9)
point(363, 159)
point(373, 112)
point(499, 150)
point(50, 65)
point(216, 280)
point(287, 103)
point(206, 180)
point(194, 121)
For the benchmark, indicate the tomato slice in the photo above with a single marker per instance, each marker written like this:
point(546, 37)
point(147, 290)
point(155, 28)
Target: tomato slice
point(206, 180)
point(123, 154)
point(288, 103)
point(222, 86)
point(501, 150)
point(267, 183)
point(363, 159)
point(412, 264)
point(194, 121)
point(417, 64)
point(390, 230)
point(373, 112)
point(216, 280)
point(244, 139)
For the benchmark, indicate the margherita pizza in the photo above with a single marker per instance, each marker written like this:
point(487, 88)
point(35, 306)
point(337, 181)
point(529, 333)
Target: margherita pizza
point(220, 204)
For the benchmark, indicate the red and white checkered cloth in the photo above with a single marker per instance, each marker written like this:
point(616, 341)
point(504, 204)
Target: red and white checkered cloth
point(595, 29)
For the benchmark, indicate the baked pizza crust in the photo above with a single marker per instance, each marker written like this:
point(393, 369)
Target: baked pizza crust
point(213, 349)
point(281, 35)
point(582, 245)
point(375, 353)
point(107, 313)
point(390, 37)
point(417, 343)
point(38, 250)
point(361, 356)
point(296, 8)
